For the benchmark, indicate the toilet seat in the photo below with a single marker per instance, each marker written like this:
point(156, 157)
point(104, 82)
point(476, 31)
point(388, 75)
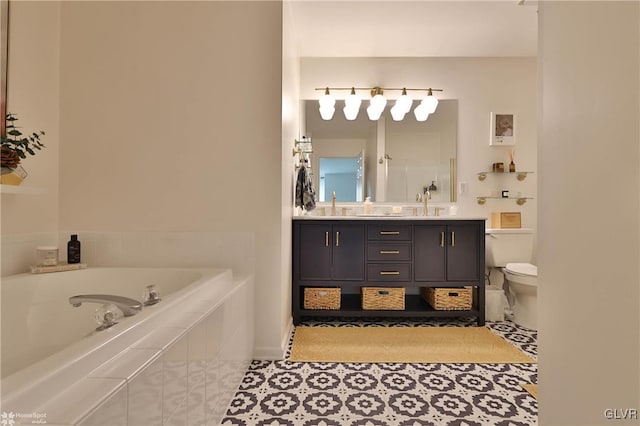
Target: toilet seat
point(522, 269)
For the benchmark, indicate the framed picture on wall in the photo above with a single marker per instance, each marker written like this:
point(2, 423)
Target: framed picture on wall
point(503, 129)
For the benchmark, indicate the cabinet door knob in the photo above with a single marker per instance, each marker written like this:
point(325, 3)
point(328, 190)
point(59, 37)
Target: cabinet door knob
point(442, 239)
point(326, 239)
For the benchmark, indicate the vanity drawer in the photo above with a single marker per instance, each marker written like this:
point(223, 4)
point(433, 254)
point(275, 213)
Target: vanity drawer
point(389, 272)
point(389, 232)
point(386, 251)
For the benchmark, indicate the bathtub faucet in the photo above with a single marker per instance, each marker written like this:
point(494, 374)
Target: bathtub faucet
point(128, 306)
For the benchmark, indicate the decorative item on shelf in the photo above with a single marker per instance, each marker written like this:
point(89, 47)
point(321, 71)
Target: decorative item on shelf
point(14, 147)
point(498, 167)
point(512, 165)
point(377, 103)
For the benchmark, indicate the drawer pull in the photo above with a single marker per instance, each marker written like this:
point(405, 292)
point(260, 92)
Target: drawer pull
point(442, 239)
point(453, 294)
point(389, 251)
point(453, 239)
point(338, 239)
point(326, 239)
point(389, 272)
point(389, 232)
point(383, 292)
point(324, 293)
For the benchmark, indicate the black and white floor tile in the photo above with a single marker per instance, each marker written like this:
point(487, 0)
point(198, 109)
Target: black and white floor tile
point(278, 393)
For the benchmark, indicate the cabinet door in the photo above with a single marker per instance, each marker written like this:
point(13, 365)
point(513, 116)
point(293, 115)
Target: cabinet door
point(315, 252)
point(462, 253)
point(430, 253)
point(348, 252)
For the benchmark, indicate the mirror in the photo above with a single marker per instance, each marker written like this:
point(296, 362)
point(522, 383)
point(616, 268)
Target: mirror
point(397, 159)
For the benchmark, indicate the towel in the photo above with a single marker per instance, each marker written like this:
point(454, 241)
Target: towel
point(305, 193)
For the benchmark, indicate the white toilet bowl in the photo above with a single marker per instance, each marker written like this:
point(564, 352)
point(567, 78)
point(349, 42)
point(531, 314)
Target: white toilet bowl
point(521, 281)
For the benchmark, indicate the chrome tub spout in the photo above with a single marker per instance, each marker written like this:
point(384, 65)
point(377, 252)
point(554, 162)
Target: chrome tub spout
point(128, 306)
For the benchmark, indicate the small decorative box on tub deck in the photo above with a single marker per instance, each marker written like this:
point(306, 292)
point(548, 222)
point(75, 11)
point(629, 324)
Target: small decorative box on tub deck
point(322, 298)
point(383, 298)
point(448, 298)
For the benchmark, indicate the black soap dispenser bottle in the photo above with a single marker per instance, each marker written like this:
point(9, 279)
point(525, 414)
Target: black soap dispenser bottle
point(73, 250)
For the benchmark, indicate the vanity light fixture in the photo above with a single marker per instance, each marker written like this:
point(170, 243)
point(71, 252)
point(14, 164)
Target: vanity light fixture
point(377, 103)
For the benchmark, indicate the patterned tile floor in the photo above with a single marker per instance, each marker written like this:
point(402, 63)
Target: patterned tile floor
point(279, 393)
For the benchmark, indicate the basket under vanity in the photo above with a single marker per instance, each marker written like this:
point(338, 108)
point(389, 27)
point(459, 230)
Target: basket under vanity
point(407, 253)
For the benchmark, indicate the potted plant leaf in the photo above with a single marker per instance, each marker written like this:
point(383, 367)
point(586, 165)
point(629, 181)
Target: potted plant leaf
point(15, 145)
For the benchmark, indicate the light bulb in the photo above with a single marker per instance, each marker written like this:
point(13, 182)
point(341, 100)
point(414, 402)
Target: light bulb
point(327, 105)
point(352, 105)
point(397, 113)
point(421, 112)
point(374, 113)
point(430, 102)
point(327, 112)
point(378, 101)
point(404, 102)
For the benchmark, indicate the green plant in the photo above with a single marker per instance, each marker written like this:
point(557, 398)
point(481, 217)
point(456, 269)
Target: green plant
point(16, 145)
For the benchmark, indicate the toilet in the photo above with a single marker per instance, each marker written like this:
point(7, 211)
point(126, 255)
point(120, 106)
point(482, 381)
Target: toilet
point(511, 250)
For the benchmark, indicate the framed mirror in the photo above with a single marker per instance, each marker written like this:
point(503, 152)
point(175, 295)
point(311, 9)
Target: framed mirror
point(399, 159)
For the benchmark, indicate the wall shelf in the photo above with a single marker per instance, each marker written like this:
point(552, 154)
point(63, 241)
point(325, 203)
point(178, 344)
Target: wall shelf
point(17, 189)
point(519, 200)
point(519, 175)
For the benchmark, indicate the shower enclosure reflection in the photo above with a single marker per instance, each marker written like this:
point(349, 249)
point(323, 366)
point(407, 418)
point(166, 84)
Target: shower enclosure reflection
point(398, 159)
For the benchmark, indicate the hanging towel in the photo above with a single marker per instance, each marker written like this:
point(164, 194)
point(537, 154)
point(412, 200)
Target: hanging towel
point(305, 193)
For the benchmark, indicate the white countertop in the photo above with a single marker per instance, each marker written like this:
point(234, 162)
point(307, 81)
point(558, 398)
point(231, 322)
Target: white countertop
point(388, 217)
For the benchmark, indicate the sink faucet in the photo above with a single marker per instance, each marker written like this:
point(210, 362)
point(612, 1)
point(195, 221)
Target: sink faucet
point(333, 203)
point(128, 306)
point(426, 198)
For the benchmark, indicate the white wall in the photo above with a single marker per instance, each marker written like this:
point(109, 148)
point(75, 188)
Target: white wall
point(589, 212)
point(33, 95)
point(481, 86)
point(171, 122)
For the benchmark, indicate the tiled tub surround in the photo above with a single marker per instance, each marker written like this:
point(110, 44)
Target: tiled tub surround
point(232, 249)
point(175, 363)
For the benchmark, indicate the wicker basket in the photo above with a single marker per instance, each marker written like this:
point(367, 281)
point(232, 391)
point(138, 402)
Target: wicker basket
point(383, 298)
point(448, 299)
point(327, 298)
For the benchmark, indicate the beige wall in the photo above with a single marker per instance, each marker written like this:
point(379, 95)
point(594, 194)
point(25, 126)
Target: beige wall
point(171, 121)
point(589, 212)
point(33, 95)
point(481, 86)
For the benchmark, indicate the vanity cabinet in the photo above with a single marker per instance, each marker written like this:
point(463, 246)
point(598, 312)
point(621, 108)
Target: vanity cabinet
point(332, 252)
point(447, 253)
point(412, 253)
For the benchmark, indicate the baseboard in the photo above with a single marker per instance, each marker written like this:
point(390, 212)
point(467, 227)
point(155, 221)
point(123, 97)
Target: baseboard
point(271, 353)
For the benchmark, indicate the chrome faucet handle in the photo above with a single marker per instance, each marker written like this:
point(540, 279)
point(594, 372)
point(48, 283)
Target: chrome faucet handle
point(151, 295)
point(107, 316)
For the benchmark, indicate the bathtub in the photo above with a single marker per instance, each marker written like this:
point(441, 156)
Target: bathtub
point(150, 368)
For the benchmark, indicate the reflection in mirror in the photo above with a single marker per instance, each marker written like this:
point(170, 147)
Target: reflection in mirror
point(342, 175)
point(400, 159)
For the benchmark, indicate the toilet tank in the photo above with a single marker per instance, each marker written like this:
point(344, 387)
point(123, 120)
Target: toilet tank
point(504, 246)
